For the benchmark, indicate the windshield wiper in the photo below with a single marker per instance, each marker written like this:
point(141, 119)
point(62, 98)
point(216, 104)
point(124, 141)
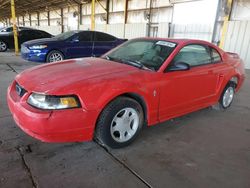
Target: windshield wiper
point(107, 57)
point(136, 63)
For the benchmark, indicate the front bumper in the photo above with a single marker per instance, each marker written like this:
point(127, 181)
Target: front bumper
point(69, 125)
point(34, 55)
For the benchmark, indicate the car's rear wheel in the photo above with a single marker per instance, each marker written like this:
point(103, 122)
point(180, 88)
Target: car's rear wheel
point(119, 123)
point(227, 96)
point(3, 46)
point(54, 56)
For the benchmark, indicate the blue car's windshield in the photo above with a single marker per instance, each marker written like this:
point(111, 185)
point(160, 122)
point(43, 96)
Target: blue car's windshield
point(145, 53)
point(66, 35)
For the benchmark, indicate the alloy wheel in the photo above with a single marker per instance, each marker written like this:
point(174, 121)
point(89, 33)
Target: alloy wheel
point(228, 97)
point(3, 46)
point(55, 57)
point(124, 125)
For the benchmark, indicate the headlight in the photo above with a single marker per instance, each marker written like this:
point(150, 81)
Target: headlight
point(38, 47)
point(48, 102)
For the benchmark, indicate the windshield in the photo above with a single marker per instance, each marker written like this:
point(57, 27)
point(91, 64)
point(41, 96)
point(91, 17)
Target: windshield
point(65, 35)
point(148, 53)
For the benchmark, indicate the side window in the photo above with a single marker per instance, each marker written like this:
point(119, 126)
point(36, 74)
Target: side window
point(85, 36)
point(102, 37)
point(215, 56)
point(44, 34)
point(9, 29)
point(194, 55)
point(37, 34)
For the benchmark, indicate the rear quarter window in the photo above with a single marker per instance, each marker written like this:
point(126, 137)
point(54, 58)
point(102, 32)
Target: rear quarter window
point(103, 37)
point(215, 56)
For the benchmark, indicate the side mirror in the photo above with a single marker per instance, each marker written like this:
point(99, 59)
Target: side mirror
point(179, 66)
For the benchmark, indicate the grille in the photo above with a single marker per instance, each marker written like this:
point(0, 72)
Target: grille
point(20, 91)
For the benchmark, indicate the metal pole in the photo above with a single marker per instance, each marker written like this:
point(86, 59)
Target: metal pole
point(226, 22)
point(80, 15)
point(62, 24)
point(216, 23)
point(149, 17)
point(30, 20)
point(93, 15)
point(13, 14)
point(38, 19)
point(107, 12)
point(125, 17)
point(48, 16)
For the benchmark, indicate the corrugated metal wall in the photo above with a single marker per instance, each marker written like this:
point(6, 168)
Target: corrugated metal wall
point(131, 30)
point(192, 31)
point(238, 40)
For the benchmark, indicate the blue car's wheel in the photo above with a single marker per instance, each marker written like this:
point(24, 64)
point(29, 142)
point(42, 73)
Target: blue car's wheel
point(54, 56)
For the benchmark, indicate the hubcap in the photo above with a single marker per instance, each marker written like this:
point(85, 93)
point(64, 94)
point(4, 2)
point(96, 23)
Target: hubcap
point(124, 125)
point(55, 57)
point(228, 97)
point(2, 46)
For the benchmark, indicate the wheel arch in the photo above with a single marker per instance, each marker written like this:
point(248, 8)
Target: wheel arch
point(135, 96)
point(141, 101)
point(235, 80)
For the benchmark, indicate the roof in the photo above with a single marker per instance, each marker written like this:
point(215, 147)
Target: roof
point(31, 6)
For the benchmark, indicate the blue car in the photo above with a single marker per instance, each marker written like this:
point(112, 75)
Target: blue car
point(68, 45)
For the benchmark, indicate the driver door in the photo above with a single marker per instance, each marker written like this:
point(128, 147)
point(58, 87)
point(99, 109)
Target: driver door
point(81, 45)
point(189, 90)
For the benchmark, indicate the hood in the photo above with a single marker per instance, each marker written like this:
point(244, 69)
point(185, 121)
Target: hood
point(50, 77)
point(40, 41)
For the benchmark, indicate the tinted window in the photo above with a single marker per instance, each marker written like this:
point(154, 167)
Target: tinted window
point(8, 29)
point(44, 34)
point(193, 55)
point(85, 36)
point(215, 56)
point(66, 35)
point(37, 34)
point(103, 37)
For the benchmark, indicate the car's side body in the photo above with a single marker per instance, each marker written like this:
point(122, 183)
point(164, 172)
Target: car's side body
point(23, 36)
point(162, 94)
point(81, 44)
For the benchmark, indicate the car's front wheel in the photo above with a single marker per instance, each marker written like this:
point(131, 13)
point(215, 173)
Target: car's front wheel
point(3, 46)
point(119, 123)
point(54, 56)
point(227, 96)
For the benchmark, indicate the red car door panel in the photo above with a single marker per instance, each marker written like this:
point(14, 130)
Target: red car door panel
point(189, 90)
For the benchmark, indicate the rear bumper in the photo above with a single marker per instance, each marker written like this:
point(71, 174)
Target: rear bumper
point(51, 126)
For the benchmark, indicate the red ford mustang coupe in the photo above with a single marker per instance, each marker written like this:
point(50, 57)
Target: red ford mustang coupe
point(142, 82)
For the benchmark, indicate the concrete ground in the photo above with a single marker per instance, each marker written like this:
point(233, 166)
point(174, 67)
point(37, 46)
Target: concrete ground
point(208, 148)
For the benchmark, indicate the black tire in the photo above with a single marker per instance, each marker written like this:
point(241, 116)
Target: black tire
point(54, 52)
point(3, 46)
point(230, 87)
point(103, 128)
